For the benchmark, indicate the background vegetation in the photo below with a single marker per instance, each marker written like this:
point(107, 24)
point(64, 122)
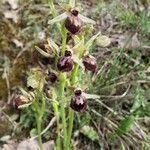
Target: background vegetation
point(120, 119)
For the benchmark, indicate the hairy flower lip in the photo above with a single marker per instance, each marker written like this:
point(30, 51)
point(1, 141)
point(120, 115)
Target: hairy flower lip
point(78, 106)
point(90, 63)
point(78, 101)
point(65, 63)
point(73, 23)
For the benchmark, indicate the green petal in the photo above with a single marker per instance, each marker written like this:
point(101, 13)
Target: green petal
point(78, 61)
point(86, 20)
point(53, 45)
point(91, 96)
point(58, 18)
point(42, 52)
point(91, 40)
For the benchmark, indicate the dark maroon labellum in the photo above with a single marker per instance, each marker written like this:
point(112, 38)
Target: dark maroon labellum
point(65, 64)
point(78, 102)
point(73, 22)
point(51, 77)
point(90, 63)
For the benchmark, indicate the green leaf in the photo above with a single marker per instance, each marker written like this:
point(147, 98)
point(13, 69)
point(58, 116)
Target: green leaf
point(52, 7)
point(91, 40)
point(86, 20)
point(122, 147)
point(103, 41)
point(35, 80)
point(139, 98)
point(58, 18)
point(126, 124)
point(90, 133)
point(33, 132)
point(72, 3)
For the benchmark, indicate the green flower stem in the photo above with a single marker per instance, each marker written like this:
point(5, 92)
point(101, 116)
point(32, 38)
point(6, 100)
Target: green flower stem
point(55, 106)
point(62, 106)
point(38, 120)
point(71, 112)
point(74, 74)
point(54, 12)
point(64, 40)
point(71, 118)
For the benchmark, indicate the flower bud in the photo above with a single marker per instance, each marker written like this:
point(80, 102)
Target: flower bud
point(48, 91)
point(51, 77)
point(20, 100)
point(73, 23)
point(65, 63)
point(78, 102)
point(90, 63)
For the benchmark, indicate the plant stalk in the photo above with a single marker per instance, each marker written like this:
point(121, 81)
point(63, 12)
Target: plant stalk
point(38, 120)
point(71, 118)
point(64, 40)
point(62, 106)
point(55, 106)
point(71, 112)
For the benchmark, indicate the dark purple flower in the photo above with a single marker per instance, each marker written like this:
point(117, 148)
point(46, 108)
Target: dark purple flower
point(51, 77)
point(20, 100)
point(47, 91)
point(65, 63)
point(78, 102)
point(90, 63)
point(73, 22)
